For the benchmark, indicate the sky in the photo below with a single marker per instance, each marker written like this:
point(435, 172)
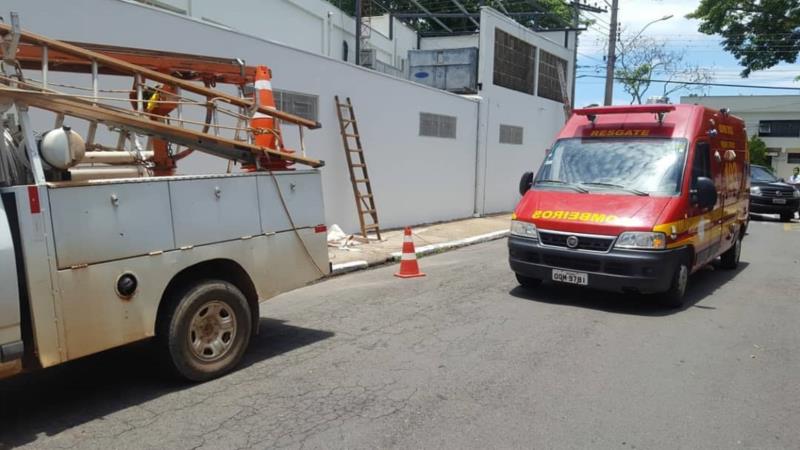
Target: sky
point(679, 34)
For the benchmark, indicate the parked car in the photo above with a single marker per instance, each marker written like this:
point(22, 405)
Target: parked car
point(771, 195)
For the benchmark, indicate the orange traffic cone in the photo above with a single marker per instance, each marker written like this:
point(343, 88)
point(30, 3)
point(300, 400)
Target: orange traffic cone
point(265, 127)
point(408, 260)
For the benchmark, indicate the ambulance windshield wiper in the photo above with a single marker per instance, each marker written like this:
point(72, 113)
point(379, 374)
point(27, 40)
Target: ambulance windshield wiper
point(618, 186)
point(565, 184)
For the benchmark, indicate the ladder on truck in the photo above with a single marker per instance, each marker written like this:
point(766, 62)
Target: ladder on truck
point(161, 82)
point(357, 166)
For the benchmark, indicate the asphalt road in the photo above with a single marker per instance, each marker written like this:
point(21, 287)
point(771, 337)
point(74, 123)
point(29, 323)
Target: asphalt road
point(462, 359)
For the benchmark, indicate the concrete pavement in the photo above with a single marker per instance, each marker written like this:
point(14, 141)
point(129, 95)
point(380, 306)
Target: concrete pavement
point(462, 358)
point(428, 239)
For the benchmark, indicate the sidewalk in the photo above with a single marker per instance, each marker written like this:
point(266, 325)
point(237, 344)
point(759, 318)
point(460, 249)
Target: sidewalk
point(427, 239)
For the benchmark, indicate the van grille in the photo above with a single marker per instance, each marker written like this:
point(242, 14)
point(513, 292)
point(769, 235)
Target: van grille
point(773, 192)
point(596, 244)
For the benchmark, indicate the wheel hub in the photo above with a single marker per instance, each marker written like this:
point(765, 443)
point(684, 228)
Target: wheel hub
point(212, 331)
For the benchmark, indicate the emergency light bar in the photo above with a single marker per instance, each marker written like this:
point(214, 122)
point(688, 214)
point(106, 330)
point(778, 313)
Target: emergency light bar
point(659, 110)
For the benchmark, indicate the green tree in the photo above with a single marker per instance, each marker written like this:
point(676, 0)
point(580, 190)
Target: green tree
point(642, 59)
point(759, 33)
point(758, 151)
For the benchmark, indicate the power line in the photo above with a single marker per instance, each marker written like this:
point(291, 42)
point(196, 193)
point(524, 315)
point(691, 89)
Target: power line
point(696, 83)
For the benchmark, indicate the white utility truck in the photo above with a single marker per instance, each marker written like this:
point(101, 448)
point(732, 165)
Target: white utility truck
point(95, 256)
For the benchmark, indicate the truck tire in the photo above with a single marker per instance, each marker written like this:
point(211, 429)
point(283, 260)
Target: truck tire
point(528, 282)
point(730, 259)
point(204, 330)
point(674, 297)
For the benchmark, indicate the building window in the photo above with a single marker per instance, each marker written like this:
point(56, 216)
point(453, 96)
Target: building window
point(779, 128)
point(303, 105)
point(437, 125)
point(549, 82)
point(514, 62)
point(793, 158)
point(510, 134)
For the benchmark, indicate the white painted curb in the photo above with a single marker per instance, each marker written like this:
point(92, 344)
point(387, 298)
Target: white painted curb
point(434, 248)
point(336, 269)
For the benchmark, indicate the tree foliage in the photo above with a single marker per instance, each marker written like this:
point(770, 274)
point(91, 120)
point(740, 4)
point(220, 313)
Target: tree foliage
point(758, 33)
point(558, 13)
point(758, 151)
point(643, 59)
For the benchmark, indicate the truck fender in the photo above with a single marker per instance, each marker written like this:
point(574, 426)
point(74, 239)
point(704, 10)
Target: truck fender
point(219, 269)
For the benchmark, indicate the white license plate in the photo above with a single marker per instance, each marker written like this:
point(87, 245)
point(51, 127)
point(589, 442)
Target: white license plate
point(566, 276)
point(779, 201)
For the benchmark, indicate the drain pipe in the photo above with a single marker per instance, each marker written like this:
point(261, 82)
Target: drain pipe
point(475, 210)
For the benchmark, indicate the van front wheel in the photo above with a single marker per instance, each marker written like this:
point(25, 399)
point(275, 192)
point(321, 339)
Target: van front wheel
point(205, 330)
point(528, 282)
point(674, 296)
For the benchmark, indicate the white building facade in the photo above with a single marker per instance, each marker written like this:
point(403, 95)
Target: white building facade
point(775, 119)
point(468, 164)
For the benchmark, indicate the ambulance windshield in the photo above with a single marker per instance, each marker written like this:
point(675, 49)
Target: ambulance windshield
point(646, 166)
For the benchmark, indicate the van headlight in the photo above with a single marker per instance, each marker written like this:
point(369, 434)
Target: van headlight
point(524, 229)
point(796, 193)
point(755, 190)
point(642, 240)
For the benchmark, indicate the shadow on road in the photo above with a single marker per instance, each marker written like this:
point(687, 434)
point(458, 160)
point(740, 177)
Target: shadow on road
point(701, 285)
point(53, 400)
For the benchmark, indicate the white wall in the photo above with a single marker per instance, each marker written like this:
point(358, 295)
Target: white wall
point(444, 42)
point(503, 164)
point(415, 180)
point(313, 25)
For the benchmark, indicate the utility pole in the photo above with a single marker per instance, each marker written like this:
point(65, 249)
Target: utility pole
point(358, 32)
point(612, 53)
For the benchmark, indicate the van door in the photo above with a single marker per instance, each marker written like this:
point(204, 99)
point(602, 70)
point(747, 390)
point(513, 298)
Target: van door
point(706, 221)
point(10, 337)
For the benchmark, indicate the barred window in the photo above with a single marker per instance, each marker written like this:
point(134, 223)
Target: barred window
point(514, 62)
point(510, 134)
point(437, 125)
point(779, 128)
point(549, 83)
point(303, 105)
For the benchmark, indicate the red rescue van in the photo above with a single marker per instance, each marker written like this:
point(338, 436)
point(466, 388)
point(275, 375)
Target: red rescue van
point(634, 199)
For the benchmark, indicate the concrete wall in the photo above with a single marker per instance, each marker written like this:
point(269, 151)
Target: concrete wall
point(415, 179)
point(541, 118)
point(444, 42)
point(313, 25)
point(755, 108)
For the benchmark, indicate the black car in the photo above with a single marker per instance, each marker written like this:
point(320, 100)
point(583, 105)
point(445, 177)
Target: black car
point(770, 195)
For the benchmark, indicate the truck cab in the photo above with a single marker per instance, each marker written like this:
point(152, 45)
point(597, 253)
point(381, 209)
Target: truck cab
point(634, 199)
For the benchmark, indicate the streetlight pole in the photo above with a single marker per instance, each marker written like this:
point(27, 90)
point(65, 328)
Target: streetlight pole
point(612, 46)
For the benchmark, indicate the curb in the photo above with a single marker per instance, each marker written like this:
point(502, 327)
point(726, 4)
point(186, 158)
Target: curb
point(352, 266)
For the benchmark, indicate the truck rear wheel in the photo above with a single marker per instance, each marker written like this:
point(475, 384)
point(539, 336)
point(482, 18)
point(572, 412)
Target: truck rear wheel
point(674, 296)
point(205, 330)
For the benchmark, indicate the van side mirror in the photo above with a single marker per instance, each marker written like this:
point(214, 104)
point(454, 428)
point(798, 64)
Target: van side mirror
point(525, 183)
point(704, 194)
